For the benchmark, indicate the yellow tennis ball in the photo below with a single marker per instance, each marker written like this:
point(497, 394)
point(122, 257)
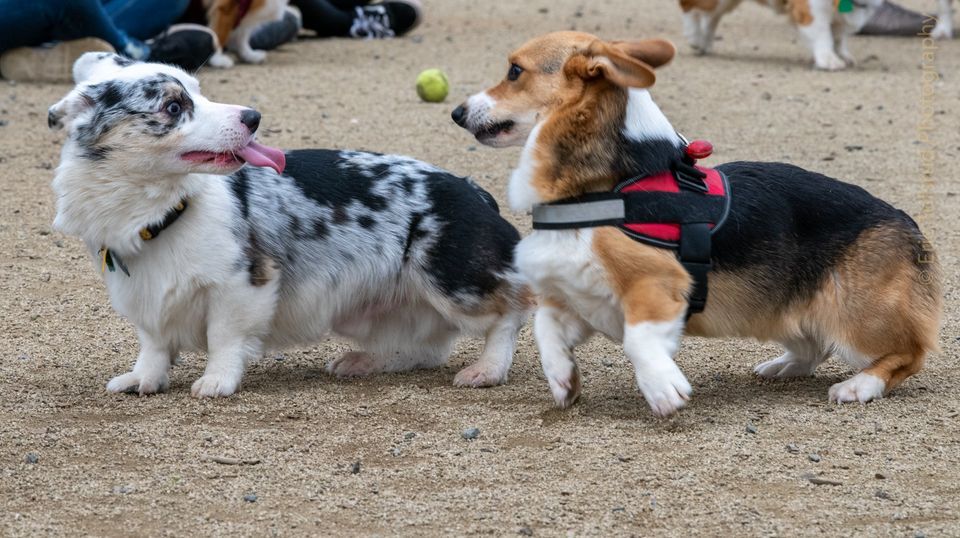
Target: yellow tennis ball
point(432, 86)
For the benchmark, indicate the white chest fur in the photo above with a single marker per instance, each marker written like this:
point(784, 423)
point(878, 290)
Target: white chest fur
point(562, 265)
point(170, 276)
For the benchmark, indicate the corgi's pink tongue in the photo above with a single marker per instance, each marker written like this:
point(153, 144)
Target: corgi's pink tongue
point(260, 155)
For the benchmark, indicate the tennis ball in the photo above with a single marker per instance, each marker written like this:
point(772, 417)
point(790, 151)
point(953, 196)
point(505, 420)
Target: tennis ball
point(432, 86)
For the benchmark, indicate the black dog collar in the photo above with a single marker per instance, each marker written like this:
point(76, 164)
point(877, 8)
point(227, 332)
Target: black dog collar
point(110, 260)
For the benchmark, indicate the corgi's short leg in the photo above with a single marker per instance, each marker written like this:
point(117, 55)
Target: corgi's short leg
point(692, 28)
point(944, 27)
point(801, 359)
point(221, 60)
point(558, 331)
point(699, 27)
point(239, 316)
point(406, 339)
point(150, 373)
point(708, 31)
point(820, 36)
point(841, 42)
point(494, 363)
point(240, 43)
point(651, 346)
point(882, 376)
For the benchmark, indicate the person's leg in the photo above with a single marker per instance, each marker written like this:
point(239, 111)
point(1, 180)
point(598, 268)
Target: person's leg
point(275, 33)
point(25, 24)
point(324, 18)
point(144, 19)
point(349, 5)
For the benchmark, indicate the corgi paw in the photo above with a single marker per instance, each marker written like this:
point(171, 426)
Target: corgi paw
point(861, 388)
point(783, 367)
point(220, 60)
point(254, 56)
point(215, 386)
point(354, 364)
point(479, 374)
point(666, 391)
point(137, 383)
point(565, 388)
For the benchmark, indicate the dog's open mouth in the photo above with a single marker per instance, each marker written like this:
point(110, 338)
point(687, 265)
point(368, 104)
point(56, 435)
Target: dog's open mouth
point(253, 153)
point(494, 130)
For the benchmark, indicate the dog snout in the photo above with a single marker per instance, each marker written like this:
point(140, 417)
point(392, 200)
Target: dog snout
point(250, 118)
point(459, 115)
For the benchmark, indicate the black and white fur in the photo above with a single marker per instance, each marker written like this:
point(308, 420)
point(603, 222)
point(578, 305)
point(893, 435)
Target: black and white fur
point(392, 252)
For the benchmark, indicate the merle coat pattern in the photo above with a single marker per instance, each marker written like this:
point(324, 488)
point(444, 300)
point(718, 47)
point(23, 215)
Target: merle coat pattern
point(396, 254)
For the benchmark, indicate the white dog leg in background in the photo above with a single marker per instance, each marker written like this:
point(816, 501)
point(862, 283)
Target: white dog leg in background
point(240, 43)
point(650, 346)
point(944, 27)
point(220, 60)
point(150, 373)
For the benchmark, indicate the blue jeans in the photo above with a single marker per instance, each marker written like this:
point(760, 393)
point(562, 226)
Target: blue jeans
point(26, 23)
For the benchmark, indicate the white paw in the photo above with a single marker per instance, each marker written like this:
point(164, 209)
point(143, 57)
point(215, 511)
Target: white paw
point(784, 366)
point(859, 388)
point(215, 386)
point(829, 61)
point(253, 56)
point(848, 58)
point(565, 388)
point(220, 60)
point(943, 30)
point(700, 48)
point(137, 383)
point(479, 374)
point(354, 364)
point(666, 390)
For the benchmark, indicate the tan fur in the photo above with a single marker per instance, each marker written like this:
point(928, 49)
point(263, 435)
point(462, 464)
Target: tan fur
point(651, 283)
point(572, 153)
point(224, 15)
point(705, 5)
point(878, 306)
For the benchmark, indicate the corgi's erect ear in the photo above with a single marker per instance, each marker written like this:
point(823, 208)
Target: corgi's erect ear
point(68, 108)
point(628, 64)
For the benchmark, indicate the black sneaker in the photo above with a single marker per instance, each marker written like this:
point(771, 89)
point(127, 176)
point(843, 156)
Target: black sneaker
point(187, 46)
point(276, 33)
point(891, 19)
point(386, 19)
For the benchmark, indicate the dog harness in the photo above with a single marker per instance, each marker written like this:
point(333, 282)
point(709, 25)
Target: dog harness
point(678, 209)
point(110, 260)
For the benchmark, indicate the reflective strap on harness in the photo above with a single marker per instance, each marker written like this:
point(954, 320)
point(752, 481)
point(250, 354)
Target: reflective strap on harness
point(603, 210)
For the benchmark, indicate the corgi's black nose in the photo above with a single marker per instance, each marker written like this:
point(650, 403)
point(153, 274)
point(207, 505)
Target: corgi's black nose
point(250, 118)
point(459, 115)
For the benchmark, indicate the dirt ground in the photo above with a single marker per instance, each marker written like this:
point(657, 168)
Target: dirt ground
point(385, 456)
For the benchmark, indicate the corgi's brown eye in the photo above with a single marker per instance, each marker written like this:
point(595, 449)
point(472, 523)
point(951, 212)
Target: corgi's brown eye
point(514, 72)
point(174, 108)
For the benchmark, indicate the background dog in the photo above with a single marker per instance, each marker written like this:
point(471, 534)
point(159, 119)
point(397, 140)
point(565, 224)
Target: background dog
point(820, 22)
point(818, 265)
point(234, 22)
point(204, 253)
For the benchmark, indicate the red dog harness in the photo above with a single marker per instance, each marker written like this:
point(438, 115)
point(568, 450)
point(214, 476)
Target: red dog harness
point(678, 209)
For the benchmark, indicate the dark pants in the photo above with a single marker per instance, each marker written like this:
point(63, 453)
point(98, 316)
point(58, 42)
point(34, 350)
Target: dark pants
point(26, 23)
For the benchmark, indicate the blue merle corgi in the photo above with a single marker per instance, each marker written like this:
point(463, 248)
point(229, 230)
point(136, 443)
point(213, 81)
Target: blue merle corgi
point(209, 241)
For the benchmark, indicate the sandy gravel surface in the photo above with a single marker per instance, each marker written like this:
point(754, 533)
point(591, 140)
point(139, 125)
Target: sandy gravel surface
point(120, 465)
